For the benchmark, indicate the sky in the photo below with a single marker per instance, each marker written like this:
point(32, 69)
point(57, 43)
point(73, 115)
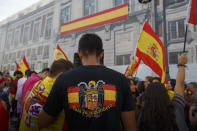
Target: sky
point(10, 7)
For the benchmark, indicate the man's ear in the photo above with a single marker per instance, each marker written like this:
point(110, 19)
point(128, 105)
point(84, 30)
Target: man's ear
point(101, 54)
point(80, 54)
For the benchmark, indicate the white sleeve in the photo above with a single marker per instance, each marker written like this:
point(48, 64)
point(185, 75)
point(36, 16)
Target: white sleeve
point(19, 89)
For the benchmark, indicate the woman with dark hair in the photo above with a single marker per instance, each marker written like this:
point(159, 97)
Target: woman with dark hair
point(134, 91)
point(171, 84)
point(158, 113)
point(161, 114)
point(148, 80)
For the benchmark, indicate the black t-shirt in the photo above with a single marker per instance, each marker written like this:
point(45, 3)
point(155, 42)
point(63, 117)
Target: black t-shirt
point(92, 97)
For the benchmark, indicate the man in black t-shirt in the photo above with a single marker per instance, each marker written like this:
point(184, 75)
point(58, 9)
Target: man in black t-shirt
point(93, 97)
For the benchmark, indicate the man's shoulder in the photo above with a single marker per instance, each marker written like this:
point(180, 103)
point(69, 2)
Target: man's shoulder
point(113, 71)
point(102, 69)
point(22, 80)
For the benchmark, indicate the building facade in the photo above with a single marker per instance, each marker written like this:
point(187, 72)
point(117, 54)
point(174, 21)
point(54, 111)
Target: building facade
point(35, 32)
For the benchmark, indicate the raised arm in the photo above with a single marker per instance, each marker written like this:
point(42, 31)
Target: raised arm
point(180, 78)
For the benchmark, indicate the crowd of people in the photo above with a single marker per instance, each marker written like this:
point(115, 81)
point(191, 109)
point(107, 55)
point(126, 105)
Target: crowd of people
point(86, 95)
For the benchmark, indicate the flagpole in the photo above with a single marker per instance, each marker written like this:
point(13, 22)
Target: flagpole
point(165, 39)
point(185, 41)
point(136, 73)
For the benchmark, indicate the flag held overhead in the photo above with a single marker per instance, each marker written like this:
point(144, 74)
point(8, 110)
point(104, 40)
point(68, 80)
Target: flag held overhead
point(151, 50)
point(24, 65)
point(17, 66)
point(132, 68)
point(192, 12)
point(59, 54)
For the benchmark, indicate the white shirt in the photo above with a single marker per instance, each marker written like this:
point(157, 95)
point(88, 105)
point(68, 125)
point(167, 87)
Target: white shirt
point(19, 92)
point(21, 81)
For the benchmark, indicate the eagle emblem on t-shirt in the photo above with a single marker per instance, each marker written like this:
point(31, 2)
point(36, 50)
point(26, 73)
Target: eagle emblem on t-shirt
point(91, 95)
point(91, 98)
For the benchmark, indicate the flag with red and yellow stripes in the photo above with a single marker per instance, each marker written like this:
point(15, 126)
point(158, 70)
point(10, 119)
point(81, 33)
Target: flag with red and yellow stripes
point(132, 68)
point(24, 66)
point(90, 97)
point(17, 66)
point(151, 50)
point(111, 15)
point(59, 54)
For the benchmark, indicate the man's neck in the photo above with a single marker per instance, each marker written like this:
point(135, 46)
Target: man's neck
point(90, 63)
point(91, 60)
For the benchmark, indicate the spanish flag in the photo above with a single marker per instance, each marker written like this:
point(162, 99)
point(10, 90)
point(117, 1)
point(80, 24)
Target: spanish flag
point(24, 66)
point(132, 68)
point(59, 54)
point(17, 66)
point(89, 97)
point(192, 12)
point(151, 50)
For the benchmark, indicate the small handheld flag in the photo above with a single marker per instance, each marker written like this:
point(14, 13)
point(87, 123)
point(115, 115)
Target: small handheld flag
point(132, 68)
point(17, 66)
point(59, 54)
point(24, 66)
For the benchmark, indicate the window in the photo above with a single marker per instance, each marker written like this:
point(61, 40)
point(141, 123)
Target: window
point(22, 54)
point(65, 15)
point(46, 52)
point(171, 2)
point(9, 40)
point(123, 59)
point(158, 2)
point(14, 57)
point(8, 67)
point(173, 57)
point(40, 50)
point(195, 28)
point(10, 56)
point(0, 40)
point(173, 30)
point(33, 54)
point(45, 65)
point(16, 38)
point(26, 35)
point(32, 66)
point(176, 29)
point(6, 59)
point(28, 53)
point(181, 28)
point(196, 54)
point(18, 54)
point(159, 28)
point(36, 32)
point(118, 2)
point(48, 28)
point(12, 68)
point(89, 7)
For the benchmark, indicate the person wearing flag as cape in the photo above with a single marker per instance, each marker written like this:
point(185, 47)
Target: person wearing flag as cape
point(37, 97)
